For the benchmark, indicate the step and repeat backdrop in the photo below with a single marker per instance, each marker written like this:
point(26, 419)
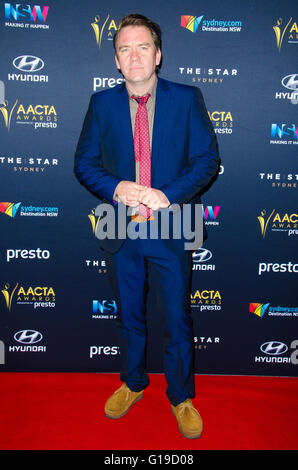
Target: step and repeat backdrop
point(57, 309)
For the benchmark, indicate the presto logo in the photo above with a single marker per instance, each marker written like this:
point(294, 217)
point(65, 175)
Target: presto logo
point(27, 254)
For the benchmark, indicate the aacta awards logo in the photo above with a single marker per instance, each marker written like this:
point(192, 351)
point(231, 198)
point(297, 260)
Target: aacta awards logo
point(286, 222)
point(36, 296)
point(206, 299)
point(284, 29)
point(222, 121)
point(38, 115)
point(101, 26)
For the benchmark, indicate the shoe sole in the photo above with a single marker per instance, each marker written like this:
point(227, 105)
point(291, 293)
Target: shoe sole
point(126, 411)
point(188, 436)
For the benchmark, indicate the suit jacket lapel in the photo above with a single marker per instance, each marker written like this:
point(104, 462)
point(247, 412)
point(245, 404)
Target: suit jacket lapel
point(160, 117)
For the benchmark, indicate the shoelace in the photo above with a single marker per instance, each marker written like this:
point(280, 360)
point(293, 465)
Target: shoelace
point(124, 388)
point(186, 405)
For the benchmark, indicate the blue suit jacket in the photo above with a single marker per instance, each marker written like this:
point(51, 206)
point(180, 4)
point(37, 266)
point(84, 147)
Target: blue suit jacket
point(184, 150)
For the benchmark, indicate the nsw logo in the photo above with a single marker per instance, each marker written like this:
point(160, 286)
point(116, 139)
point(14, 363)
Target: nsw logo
point(19, 12)
point(210, 215)
point(104, 309)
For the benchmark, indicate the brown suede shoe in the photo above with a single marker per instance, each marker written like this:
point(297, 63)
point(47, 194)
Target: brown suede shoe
point(190, 423)
point(119, 403)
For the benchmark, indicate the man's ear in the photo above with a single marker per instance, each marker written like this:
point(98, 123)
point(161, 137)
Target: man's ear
point(117, 62)
point(158, 57)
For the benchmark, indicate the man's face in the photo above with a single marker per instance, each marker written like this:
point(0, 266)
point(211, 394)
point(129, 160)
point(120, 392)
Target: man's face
point(136, 55)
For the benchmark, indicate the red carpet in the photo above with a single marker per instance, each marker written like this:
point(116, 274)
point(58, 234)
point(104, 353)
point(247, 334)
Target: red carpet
point(64, 411)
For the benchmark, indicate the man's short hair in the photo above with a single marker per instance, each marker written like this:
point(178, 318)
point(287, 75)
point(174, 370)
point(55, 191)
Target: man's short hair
point(135, 19)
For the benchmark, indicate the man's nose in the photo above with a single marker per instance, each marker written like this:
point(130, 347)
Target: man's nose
point(134, 54)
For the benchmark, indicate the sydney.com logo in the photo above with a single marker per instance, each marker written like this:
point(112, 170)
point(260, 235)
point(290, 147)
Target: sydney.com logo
point(12, 208)
point(194, 23)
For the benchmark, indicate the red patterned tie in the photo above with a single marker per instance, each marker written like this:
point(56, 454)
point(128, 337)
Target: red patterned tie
point(142, 148)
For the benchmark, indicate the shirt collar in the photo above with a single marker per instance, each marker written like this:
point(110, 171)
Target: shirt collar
point(151, 91)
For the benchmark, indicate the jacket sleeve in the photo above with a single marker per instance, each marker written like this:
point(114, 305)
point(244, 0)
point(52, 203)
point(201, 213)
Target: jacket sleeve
point(202, 155)
point(88, 166)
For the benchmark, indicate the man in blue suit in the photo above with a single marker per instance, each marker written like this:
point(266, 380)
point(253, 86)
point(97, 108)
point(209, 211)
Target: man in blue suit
point(149, 145)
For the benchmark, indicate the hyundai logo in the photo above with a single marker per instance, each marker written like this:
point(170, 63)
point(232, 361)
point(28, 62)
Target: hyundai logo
point(28, 63)
point(290, 81)
point(28, 336)
point(202, 255)
point(274, 348)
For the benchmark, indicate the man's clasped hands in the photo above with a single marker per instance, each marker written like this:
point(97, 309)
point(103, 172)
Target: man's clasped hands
point(131, 194)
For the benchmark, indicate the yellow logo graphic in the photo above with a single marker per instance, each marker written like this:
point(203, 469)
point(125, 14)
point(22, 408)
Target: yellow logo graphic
point(93, 220)
point(264, 221)
point(8, 295)
point(280, 32)
point(98, 29)
point(6, 113)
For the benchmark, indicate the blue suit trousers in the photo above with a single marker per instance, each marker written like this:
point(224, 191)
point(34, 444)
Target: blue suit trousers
point(149, 263)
